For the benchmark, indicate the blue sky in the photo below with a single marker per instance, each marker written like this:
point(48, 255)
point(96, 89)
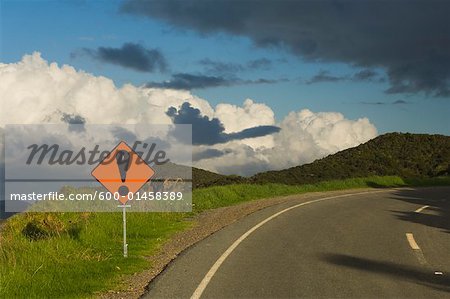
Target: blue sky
point(58, 29)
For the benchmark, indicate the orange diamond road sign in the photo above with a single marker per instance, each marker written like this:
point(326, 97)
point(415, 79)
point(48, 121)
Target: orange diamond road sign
point(122, 172)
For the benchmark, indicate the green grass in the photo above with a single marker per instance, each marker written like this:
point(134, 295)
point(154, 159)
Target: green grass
point(77, 255)
point(219, 196)
point(77, 264)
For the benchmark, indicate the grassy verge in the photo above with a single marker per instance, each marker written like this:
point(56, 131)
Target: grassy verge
point(75, 255)
point(219, 196)
point(79, 254)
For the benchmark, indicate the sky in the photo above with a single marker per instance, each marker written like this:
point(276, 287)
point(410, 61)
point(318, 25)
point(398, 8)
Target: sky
point(376, 66)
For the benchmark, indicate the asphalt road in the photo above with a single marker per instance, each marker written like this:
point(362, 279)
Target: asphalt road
point(390, 243)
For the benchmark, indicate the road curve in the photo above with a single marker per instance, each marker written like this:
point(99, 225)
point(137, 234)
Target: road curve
point(385, 243)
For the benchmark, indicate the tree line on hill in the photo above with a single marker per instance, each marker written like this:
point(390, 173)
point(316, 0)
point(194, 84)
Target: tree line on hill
point(401, 154)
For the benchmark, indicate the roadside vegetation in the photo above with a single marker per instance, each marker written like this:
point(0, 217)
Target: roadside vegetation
point(57, 255)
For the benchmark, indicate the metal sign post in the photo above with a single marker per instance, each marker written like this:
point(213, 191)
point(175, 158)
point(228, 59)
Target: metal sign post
point(124, 218)
point(129, 163)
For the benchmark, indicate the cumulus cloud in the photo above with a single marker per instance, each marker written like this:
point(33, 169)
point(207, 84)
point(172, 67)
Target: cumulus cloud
point(33, 91)
point(130, 55)
point(250, 114)
point(211, 131)
point(409, 39)
point(317, 135)
point(304, 137)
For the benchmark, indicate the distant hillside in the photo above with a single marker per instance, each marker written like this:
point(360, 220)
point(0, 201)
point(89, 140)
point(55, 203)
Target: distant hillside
point(203, 178)
point(405, 155)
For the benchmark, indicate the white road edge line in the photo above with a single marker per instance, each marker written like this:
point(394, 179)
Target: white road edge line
point(421, 209)
point(205, 281)
point(412, 242)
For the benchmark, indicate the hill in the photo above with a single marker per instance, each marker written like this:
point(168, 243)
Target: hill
point(203, 178)
point(402, 154)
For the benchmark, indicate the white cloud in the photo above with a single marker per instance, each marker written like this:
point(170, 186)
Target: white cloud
point(304, 137)
point(251, 114)
point(35, 91)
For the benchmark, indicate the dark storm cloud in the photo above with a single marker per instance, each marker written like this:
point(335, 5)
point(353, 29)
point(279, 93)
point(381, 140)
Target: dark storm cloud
point(75, 122)
point(73, 119)
point(364, 75)
point(253, 132)
point(410, 39)
point(325, 76)
point(191, 81)
point(219, 67)
point(211, 131)
point(208, 154)
point(373, 103)
point(398, 102)
point(262, 63)
point(132, 56)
